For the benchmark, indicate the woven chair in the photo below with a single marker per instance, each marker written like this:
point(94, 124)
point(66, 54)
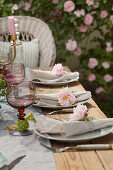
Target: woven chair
point(30, 28)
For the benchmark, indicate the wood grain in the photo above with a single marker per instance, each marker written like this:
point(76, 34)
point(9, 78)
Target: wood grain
point(81, 160)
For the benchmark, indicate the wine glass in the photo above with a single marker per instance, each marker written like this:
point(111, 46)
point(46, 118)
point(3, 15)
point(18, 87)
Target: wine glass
point(21, 96)
point(4, 58)
point(14, 73)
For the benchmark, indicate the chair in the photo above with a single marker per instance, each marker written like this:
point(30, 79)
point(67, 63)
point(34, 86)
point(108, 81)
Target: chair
point(30, 28)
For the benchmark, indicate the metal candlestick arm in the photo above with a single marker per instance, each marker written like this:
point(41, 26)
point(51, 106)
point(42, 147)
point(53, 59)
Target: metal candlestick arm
point(13, 37)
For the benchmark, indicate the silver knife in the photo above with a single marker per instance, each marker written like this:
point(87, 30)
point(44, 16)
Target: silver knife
point(13, 163)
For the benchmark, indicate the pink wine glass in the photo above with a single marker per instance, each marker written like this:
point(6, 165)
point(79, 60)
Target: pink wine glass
point(14, 73)
point(21, 96)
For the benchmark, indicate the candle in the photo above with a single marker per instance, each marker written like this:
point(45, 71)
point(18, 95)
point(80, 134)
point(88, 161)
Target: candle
point(11, 25)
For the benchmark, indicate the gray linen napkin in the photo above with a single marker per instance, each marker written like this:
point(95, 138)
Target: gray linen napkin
point(52, 99)
point(69, 127)
point(44, 76)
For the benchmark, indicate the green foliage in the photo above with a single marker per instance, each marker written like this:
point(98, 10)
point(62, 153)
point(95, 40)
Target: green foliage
point(2, 86)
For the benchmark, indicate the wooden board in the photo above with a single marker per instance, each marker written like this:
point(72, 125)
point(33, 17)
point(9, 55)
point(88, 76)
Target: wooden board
point(81, 160)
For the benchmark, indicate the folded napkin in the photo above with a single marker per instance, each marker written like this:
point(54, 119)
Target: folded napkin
point(44, 76)
point(52, 99)
point(70, 128)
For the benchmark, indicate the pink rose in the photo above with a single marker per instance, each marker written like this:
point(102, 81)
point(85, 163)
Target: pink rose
point(79, 113)
point(55, 1)
point(79, 13)
point(111, 18)
point(108, 77)
point(83, 28)
point(103, 14)
point(89, 2)
point(108, 47)
point(75, 23)
point(88, 19)
point(93, 12)
point(92, 63)
point(71, 45)
point(106, 65)
point(99, 90)
point(69, 6)
point(58, 69)
point(15, 7)
point(78, 52)
point(65, 98)
point(96, 5)
point(27, 6)
point(91, 77)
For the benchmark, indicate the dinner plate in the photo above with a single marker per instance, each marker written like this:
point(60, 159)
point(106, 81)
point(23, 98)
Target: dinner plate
point(61, 107)
point(59, 83)
point(78, 138)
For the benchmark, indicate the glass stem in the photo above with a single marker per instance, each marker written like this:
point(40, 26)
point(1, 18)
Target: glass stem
point(21, 114)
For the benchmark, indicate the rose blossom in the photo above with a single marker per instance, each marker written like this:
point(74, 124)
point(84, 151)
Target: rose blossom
point(88, 19)
point(93, 12)
point(79, 113)
point(103, 14)
point(92, 63)
point(78, 51)
point(57, 69)
point(55, 1)
point(75, 23)
point(15, 7)
point(71, 45)
point(111, 18)
point(89, 2)
point(99, 90)
point(69, 6)
point(108, 47)
point(96, 5)
point(65, 98)
point(79, 13)
point(91, 77)
point(106, 65)
point(108, 77)
point(27, 6)
point(83, 28)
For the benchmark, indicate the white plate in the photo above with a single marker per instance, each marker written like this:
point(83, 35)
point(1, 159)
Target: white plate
point(78, 138)
point(61, 107)
point(60, 83)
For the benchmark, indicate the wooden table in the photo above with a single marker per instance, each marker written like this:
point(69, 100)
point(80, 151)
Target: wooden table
point(81, 160)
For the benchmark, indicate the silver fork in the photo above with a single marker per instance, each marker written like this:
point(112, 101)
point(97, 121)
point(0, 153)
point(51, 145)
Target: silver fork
point(57, 111)
point(80, 147)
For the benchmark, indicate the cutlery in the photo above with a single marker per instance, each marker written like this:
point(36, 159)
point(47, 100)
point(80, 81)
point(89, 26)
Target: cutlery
point(13, 163)
point(57, 111)
point(80, 147)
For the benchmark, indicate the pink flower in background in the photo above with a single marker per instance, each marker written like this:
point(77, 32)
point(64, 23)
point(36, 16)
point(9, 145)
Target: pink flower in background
point(78, 51)
point(93, 12)
point(71, 45)
point(106, 65)
point(111, 18)
point(96, 5)
point(99, 90)
point(55, 1)
point(89, 2)
point(108, 47)
point(65, 98)
point(83, 28)
point(79, 13)
point(58, 69)
point(91, 77)
point(88, 19)
point(79, 113)
point(75, 23)
point(27, 6)
point(108, 77)
point(103, 14)
point(92, 63)
point(69, 6)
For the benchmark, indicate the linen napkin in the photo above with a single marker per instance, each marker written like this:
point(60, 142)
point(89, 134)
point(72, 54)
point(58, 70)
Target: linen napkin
point(44, 76)
point(69, 127)
point(52, 99)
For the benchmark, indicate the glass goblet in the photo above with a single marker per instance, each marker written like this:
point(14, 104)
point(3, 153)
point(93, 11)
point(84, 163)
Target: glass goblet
point(21, 96)
point(14, 73)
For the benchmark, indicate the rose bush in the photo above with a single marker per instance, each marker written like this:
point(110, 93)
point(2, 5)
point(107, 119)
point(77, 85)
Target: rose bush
point(73, 22)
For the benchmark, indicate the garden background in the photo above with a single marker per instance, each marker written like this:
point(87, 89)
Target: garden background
point(83, 32)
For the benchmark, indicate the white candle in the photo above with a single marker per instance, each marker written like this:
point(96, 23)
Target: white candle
point(11, 25)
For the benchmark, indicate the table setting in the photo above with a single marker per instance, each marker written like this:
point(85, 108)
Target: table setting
point(28, 135)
